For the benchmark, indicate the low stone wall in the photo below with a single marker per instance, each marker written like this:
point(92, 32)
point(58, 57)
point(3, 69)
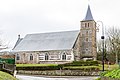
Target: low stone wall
point(60, 73)
point(108, 78)
point(1, 66)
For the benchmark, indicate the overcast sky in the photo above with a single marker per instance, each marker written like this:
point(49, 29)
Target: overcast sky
point(38, 16)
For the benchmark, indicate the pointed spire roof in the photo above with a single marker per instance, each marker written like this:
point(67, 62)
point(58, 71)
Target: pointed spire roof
point(88, 15)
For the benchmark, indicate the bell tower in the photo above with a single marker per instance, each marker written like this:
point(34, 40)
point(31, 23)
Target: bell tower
point(88, 29)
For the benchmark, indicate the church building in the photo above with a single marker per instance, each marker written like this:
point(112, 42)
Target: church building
point(58, 47)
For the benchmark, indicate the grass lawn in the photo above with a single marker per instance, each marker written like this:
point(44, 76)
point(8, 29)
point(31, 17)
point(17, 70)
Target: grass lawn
point(106, 67)
point(81, 67)
point(30, 65)
point(109, 67)
point(6, 76)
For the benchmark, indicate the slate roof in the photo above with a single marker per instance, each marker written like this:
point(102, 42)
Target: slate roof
point(48, 41)
point(18, 41)
point(88, 15)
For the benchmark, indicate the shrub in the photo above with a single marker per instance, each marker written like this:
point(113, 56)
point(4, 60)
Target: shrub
point(9, 60)
point(39, 68)
point(81, 63)
point(98, 79)
point(62, 66)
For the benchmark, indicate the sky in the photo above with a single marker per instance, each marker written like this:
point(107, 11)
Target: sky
point(40, 16)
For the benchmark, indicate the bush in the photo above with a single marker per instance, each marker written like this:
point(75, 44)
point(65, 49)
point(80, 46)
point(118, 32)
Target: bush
point(81, 63)
point(98, 79)
point(56, 68)
point(39, 68)
point(9, 60)
point(62, 66)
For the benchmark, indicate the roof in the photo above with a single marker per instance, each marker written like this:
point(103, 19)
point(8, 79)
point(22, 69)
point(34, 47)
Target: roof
point(6, 50)
point(48, 41)
point(18, 41)
point(88, 15)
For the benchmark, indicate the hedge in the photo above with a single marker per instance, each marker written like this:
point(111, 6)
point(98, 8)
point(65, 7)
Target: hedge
point(39, 68)
point(62, 66)
point(56, 68)
point(9, 60)
point(81, 63)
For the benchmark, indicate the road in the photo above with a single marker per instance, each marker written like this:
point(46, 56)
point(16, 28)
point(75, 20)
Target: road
point(26, 77)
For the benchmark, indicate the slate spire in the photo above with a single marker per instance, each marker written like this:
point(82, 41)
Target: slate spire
point(88, 15)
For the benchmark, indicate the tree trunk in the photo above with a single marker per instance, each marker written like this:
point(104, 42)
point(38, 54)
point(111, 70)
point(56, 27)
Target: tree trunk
point(116, 57)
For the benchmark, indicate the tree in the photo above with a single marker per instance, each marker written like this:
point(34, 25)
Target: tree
point(3, 43)
point(111, 46)
point(113, 35)
point(100, 49)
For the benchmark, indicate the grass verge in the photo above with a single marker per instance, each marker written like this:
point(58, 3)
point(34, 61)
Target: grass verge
point(109, 67)
point(6, 76)
point(113, 74)
point(36, 65)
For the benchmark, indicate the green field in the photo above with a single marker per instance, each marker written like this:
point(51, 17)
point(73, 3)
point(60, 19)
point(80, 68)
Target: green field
point(6, 76)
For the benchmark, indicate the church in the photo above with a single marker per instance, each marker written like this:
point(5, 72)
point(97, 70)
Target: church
point(58, 47)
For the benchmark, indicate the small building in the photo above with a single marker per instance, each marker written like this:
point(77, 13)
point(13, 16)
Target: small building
point(58, 47)
point(7, 54)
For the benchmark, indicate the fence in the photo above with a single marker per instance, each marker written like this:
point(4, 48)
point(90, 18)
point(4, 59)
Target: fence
point(9, 68)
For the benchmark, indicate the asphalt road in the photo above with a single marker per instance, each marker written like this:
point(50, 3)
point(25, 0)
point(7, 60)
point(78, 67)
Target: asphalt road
point(27, 77)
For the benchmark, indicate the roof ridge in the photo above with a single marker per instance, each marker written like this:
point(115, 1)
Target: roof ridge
point(54, 32)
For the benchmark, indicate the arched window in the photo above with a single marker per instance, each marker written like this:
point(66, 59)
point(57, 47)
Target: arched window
point(86, 32)
point(86, 39)
point(18, 57)
point(31, 57)
point(63, 56)
point(85, 24)
point(46, 56)
point(88, 24)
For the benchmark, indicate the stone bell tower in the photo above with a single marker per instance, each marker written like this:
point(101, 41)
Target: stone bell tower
point(88, 30)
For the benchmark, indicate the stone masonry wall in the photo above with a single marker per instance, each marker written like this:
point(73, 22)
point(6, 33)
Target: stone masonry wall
point(55, 57)
point(25, 58)
point(88, 39)
point(76, 49)
point(60, 73)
